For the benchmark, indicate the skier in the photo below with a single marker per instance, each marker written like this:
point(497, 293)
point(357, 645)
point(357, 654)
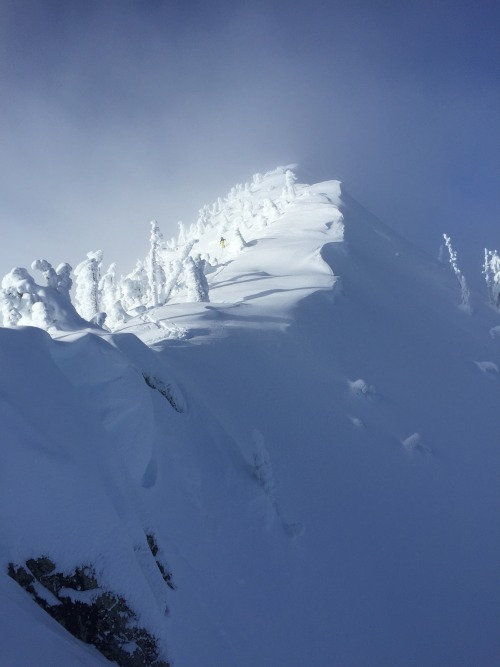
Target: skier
point(222, 242)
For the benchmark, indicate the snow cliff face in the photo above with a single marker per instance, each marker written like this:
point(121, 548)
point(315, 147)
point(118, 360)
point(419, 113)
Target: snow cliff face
point(315, 452)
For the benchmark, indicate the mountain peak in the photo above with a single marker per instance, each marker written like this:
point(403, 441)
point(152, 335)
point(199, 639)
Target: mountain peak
point(301, 470)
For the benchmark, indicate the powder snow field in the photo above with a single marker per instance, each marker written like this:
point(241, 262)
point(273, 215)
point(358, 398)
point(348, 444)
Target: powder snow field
point(325, 490)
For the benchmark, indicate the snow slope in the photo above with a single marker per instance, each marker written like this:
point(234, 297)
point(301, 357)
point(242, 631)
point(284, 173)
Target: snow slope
point(316, 449)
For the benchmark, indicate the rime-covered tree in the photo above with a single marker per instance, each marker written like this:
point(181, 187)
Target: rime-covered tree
point(154, 265)
point(64, 282)
point(290, 179)
point(491, 271)
point(238, 240)
point(88, 275)
point(17, 296)
point(195, 279)
point(134, 289)
point(176, 269)
point(108, 288)
point(47, 270)
point(270, 211)
point(464, 290)
point(25, 303)
point(58, 279)
point(257, 180)
point(182, 238)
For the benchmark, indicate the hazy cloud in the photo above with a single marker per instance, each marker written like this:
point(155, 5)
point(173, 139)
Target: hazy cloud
point(114, 113)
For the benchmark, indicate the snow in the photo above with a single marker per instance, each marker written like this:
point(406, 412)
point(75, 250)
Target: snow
point(326, 492)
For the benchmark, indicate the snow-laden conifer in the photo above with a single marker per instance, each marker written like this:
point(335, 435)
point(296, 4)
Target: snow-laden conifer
point(182, 238)
point(290, 179)
point(464, 290)
point(491, 271)
point(237, 240)
point(25, 303)
point(58, 279)
point(88, 274)
point(270, 211)
point(175, 270)
point(195, 279)
point(64, 281)
point(110, 299)
point(154, 266)
point(134, 289)
point(257, 180)
point(47, 270)
point(108, 288)
point(17, 296)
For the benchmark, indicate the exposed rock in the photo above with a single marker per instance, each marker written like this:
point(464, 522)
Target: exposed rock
point(88, 612)
point(167, 576)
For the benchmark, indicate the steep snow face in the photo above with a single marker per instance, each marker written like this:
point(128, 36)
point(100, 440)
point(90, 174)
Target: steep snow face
point(356, 453)
point(316, 450)
point(72, 459)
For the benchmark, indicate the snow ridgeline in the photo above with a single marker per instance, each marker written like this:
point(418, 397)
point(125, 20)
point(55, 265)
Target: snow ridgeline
point(170, 270)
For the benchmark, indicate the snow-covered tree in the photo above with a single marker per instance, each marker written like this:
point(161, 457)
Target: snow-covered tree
point(175, 270)
point(289, 193)
point(116, 315)
point(88, 274)
point(238, 241)
point(17, 296)
point(24, 303)
point(257, 179)
point(134, 289)
point(290, 179)
point(47, 270)
point(195, 279)
point(64, 282)
point(491, 271)
point(59, 279)
point(464, 290)
point(182, 238)
point(110, 295)
point(270, 211)
point(154, 267)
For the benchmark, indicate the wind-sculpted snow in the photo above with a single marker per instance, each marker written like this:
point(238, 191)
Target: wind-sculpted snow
point(77, 430)
point(315, 452)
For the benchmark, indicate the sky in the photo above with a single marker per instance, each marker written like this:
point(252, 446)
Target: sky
point(117, 112)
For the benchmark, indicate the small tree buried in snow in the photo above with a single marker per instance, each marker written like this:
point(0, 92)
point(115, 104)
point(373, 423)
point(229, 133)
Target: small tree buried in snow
point(464, 290)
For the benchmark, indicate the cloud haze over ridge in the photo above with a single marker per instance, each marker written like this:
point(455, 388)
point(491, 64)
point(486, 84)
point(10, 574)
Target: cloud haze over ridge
point(117, 112)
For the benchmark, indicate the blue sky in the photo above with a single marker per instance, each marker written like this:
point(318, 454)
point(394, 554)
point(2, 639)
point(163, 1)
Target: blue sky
point(117, 112)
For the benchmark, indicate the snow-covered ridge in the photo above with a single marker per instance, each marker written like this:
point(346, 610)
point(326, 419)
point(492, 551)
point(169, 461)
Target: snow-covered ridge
point(194, 266)
point(182, 269)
